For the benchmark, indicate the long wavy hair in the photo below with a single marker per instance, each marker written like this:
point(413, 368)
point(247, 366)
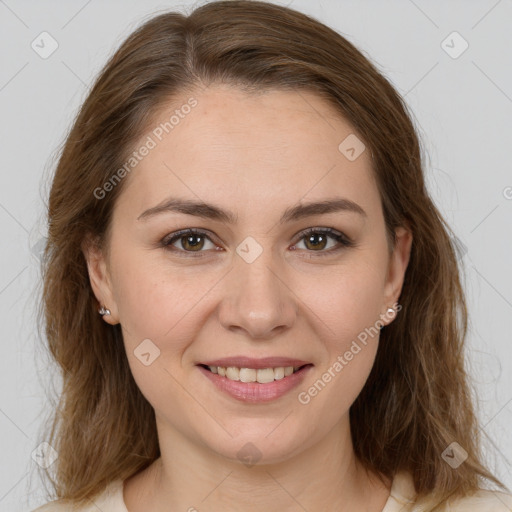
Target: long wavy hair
point(417, 399)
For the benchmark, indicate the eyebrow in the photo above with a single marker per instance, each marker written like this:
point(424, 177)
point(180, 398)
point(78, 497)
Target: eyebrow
point(210, 211)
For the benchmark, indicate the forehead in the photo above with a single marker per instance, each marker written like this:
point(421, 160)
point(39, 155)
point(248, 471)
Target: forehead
point(248, 149)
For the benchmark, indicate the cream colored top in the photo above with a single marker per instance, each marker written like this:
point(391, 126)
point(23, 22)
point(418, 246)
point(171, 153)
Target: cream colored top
point(401, 499)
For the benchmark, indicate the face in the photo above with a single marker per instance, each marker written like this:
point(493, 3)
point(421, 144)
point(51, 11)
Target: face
point(272, 277)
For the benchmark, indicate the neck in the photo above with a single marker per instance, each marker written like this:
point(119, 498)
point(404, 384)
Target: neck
point(189, 477)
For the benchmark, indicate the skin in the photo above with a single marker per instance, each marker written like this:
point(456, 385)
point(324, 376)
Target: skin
point(255, 155)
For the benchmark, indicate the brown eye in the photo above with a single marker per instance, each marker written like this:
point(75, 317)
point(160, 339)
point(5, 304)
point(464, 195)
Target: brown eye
point(188, 240)
point(192, 242)
point(317, 240)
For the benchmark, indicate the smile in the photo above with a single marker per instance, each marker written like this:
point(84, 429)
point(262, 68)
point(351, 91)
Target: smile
point(255, 385)
point(261, 375)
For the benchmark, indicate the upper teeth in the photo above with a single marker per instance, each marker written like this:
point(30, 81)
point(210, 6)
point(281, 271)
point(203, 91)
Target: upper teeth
point(261, 375)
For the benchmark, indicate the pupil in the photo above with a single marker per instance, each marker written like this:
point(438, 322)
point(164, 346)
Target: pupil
point(190, 238)
point(313, 237)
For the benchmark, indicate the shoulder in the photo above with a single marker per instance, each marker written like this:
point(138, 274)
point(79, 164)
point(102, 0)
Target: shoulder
point(403, 498)
point(110, 500)
point(482, 501)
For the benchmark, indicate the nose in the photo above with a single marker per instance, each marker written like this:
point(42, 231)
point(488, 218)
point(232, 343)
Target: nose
point(257, 300)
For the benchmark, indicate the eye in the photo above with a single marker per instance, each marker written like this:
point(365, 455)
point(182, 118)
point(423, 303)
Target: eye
point(316, 240)
point(187, 240)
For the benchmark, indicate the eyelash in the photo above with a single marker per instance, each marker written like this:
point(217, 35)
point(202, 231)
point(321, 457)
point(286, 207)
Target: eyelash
point(342, 239)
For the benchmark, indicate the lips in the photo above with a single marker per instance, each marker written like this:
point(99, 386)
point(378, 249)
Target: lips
point(255, 380)
point(239, 383)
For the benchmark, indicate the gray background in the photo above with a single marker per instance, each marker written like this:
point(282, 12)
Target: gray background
point(462, 105)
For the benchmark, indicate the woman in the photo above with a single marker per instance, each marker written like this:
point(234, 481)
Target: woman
point(253, 299)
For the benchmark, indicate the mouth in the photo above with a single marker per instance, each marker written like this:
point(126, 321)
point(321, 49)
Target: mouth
point(257, 375)
point(255, 381)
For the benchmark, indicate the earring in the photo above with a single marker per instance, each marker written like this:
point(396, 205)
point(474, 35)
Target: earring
point(390, 312)
point(393, 311)
point(103, 311)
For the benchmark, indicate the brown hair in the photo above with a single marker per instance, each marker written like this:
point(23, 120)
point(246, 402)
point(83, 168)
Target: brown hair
point(416, 400)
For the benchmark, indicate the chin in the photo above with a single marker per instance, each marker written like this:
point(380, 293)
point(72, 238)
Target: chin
point(264, 446)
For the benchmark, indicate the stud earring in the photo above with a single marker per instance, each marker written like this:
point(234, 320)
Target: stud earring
point(393, 311)
point(103, 311)
point(390, 312)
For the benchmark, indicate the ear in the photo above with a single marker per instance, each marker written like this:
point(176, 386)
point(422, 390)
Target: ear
point(100, 278)
point(397, 266)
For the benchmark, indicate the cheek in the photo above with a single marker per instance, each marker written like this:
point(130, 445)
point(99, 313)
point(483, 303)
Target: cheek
point(349, 306)
point(349, 310)
point(155, 299)
point(158, 310)
point(347, 298)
